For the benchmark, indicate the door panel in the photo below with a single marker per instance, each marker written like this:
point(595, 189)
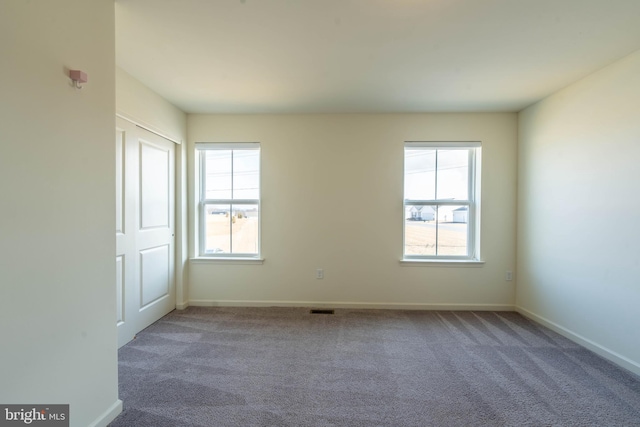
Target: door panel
point(154, 185)
point(145, 245)
point(154, 275)
point(120, 150)
point(126, 183)
point(119, 289)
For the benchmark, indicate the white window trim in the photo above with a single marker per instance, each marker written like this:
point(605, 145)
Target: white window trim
point(473, 203)
point(227, 261)
point(202, 201)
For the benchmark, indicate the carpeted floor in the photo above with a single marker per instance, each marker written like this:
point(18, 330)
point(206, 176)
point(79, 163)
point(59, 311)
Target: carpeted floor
point(287, 367)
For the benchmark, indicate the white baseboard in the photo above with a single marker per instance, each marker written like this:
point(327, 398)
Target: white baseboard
point(109, 415)
point(341, 304)
point(182, 306)
point(608, 354)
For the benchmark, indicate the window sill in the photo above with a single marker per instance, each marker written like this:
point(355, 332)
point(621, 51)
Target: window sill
point(229, 261)
point(441, 263)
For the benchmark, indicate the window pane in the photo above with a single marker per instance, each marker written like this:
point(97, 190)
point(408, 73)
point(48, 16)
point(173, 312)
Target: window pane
point(453, 174)
point(218, 174)
point(246, 183)
point(419, 174)
point(436, 230)
point(420, 230)
point(217, 227)
point(453, 223)
point(244, 229)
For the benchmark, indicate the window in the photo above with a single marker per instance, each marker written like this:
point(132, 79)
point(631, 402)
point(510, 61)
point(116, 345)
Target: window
point(229, 208)
point(441, 195)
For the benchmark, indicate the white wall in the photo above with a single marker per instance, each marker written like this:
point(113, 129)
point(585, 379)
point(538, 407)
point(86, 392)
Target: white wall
point(318, 172)
point(578, 205)
point(138, 103)
point(57, 271)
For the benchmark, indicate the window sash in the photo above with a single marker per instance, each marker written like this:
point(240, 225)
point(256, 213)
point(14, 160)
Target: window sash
point(202, 149)
point(232, 252)
point(470, 202)
point(470, 234)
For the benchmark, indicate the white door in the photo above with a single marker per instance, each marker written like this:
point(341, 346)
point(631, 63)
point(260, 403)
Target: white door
point(145, 195)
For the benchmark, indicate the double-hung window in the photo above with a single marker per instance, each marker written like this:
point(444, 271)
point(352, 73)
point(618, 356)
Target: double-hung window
point(229, 206)
point(441, 201)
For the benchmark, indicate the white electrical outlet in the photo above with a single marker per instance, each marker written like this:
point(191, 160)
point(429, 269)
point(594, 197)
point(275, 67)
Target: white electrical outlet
point(319, 273)
point(509, 276)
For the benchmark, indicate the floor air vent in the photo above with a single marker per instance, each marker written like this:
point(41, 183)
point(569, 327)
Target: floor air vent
point(321, 311)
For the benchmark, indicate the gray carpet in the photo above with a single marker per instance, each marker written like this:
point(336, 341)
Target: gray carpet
point(286, 367)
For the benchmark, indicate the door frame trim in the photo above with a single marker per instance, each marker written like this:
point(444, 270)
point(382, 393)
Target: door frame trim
point(148, 127)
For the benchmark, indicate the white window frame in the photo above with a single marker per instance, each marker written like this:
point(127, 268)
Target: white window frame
point(473, 202)
point(201, 149)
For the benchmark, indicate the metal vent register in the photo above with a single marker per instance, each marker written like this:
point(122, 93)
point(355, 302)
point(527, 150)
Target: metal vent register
point(321, 311)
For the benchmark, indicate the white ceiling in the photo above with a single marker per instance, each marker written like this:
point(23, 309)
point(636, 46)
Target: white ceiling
point(338, 56)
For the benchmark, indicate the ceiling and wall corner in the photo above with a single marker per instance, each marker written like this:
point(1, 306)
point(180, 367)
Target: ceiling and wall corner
point(368, 56)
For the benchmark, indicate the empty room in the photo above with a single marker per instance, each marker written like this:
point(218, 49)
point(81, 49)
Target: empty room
point(320, 213)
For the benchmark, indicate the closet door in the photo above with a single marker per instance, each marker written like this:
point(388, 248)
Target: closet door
point(145, 224)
